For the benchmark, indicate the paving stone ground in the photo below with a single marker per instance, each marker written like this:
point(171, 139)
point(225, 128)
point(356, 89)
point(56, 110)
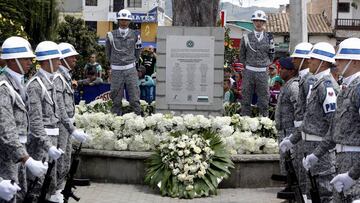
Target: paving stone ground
point(121, 193)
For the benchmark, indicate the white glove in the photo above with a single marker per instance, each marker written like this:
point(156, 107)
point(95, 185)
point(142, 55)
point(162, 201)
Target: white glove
point(80, 135)
point(285, 145)
point(8, 190)
point(55, 153)
point(37, 168)
point(342, 182)
point(309, 161)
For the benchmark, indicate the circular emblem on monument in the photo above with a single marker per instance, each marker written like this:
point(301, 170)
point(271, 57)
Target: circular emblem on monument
point(190, 43)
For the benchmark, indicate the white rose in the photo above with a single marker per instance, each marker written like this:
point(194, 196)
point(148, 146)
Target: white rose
point(201, 173)
point(189, 187)
point(180, 153)
point(186, 152)
point(181, 145)
point(175, 171)
point(181, 177)
point(197, 150)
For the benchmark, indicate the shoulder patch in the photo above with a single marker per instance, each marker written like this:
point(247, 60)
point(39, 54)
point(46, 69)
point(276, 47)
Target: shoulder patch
point(329, 104)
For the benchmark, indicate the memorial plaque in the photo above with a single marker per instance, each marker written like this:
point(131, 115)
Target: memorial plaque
point(189, 69)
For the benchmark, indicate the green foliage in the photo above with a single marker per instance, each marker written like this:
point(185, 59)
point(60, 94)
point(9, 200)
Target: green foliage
point(230, 52)
point(39, 17)
point(74, 31)
point(159, 174)
point(10, 28)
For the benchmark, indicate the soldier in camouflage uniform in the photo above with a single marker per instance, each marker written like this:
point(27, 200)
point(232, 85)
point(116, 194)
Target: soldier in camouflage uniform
point(44, 122)
point(66, 109)
point(320, 110)
point(284, 113)
point(344, 130)
point(123, 51)
point(257, 51)
point(300, 58)
point(14, 158)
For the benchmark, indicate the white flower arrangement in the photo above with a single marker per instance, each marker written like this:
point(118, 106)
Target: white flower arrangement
point(241, 135)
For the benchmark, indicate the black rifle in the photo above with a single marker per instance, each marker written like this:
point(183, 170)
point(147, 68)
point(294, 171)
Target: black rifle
point(344, 199)
point(46, 184)
point(70, 181)
point(314, 191)
point(292, 178)
point(28, 198)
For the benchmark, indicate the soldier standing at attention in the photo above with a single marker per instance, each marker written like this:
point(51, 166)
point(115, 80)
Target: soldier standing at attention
point(319, 113)
point(44, 122)
point(14, 126)
point(257, 51)
point(66, 109)
point(306, 81)
point(123, 51)
point(344, 130)
point(284, 113)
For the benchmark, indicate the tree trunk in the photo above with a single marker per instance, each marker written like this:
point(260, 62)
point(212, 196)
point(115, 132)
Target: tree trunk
point(199, 13)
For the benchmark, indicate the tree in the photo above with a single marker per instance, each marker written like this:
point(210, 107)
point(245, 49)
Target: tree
point(10, 28)
point(199, 13)
point(74, 31)
point(39, 18)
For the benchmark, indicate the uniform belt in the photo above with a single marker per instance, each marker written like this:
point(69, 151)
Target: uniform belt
point(256, 69)
point(52, 131)
point(309, 137)
point(115, 67)
point(23, 138)
point(346, 148)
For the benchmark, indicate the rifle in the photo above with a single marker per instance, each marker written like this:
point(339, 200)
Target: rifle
point(70, 181)
point(28, 198)
point(46, 184)
point(344, 199)
point(292, 179)
point(314, 191)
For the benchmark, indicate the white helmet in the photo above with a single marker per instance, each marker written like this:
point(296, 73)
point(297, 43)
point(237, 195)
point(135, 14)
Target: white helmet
point(47, 50)
point(124, 15)
point(349, 49)
point(302, 50)
point(259, 15)
point(16, 47)
point(323, 51)
point(67, 50)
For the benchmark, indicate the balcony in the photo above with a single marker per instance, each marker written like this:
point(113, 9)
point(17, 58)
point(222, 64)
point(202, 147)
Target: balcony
point(347, 24)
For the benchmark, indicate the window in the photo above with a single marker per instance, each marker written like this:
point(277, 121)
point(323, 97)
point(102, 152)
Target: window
point(118, 5)
point(344, 7)
point(134, 3)
point(91, 3)
point(92, 25)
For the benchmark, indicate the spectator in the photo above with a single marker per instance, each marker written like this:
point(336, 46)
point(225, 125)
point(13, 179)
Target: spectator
point(149, 60)
point(272, 74)
point(238, 84)
point(229, 94)
point(228, 75)
point(91, 78)
point(93, 64)
point(146, 85)
point(275, 90)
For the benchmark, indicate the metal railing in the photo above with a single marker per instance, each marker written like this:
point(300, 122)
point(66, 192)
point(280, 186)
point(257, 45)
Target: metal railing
point(347, 24)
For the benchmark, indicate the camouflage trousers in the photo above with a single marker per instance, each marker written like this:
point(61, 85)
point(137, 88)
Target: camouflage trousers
point(344, 161)
point(63, 163)
point(324, 170)
point(17, 172)
point(297, 162)
point(119, 78)
point(38, 153)
point(255, 82)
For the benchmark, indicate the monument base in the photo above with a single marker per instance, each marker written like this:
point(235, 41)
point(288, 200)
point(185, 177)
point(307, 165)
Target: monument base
point(127, 167)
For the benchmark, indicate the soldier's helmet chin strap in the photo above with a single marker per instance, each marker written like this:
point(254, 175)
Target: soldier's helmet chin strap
point(318, 68)
point(20, 66)
point(302, 62)
point(66, 64)
point(341, 76)
point(51, 66)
